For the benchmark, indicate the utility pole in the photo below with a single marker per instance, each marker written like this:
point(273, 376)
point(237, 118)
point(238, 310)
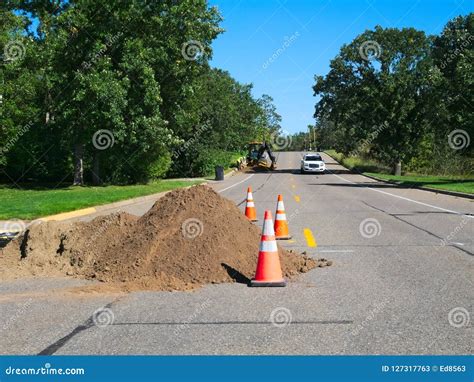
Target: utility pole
point(314, 137)
point(309, 136)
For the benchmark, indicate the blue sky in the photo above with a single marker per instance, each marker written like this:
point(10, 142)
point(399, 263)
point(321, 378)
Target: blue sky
point(309, 34)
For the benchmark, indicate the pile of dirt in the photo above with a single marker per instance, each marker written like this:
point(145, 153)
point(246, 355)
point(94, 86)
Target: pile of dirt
point(190, 237)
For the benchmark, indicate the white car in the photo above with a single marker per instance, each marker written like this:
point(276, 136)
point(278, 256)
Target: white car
point(312, 162)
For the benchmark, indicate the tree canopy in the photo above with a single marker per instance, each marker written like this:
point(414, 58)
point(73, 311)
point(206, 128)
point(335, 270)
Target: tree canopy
point(396, 95)
point(117, 91)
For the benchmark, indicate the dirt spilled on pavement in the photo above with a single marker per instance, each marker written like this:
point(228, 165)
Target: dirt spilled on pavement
point(190, 237)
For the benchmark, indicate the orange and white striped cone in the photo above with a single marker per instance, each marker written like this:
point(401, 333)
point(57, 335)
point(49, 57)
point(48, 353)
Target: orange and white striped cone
point(268, 272)
point(281, 225)
point(250, 210)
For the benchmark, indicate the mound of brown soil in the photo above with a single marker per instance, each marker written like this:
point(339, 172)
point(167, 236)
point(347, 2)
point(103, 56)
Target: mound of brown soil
point(188, 238)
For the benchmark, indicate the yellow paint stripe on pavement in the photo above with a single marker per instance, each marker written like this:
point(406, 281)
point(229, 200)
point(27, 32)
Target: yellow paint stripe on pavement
point(309, 238)
point(297, 198)
point(69, 215)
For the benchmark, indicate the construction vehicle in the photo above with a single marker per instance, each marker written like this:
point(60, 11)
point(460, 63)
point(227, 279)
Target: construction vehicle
point(260, 155)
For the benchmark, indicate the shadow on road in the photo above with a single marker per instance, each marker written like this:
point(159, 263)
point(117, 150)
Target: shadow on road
point(268, 171)
point(341, 171)
point(373, 184)
point(235, 274)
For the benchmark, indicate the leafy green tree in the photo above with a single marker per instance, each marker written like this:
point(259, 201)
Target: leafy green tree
point(18, 83)
point(121, 67)
point(111, 92)
point(269, 121)
point(298, 142)
point(381, 79)
point(453, 55)
point(221, 116)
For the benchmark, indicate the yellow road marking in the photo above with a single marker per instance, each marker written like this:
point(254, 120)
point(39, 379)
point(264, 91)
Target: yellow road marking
point(297, 198)
point(293, 186)
point(309, 238)
point(291, 241)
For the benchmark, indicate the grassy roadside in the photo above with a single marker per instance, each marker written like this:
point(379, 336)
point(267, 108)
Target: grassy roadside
point(358, 164)
point(33, 202)
point(457, 184)
point(230, 165)
point(372, 168)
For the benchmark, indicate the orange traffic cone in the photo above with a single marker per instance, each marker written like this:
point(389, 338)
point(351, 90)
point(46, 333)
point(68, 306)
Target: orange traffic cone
point(250, 210)
point(281, 225)
point(268, 272)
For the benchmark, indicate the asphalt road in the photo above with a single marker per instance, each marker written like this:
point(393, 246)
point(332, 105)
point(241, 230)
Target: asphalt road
point(401, 283)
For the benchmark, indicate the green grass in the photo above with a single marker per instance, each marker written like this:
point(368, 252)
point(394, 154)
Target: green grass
point(228, 166)
point(357, 163)
point(455, 183)
point(33, 202)
point(372, 168)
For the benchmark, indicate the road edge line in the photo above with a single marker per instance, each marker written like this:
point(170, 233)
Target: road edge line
point(429, 189)
point(242, 181)
point(404, 198)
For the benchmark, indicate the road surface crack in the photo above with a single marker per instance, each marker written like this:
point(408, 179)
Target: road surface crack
point(397, 217)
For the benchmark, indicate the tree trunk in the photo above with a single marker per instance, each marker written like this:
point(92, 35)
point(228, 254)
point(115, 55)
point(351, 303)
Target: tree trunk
point(96, 169)
point(397, 168)
point(48, 101)
point(78, 164)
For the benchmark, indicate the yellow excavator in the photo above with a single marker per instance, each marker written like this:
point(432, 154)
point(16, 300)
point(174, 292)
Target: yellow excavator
point(260, 155)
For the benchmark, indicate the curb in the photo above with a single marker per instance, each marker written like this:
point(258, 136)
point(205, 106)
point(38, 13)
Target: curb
point(68, 215)
point(414, 186)
point(231, 172)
